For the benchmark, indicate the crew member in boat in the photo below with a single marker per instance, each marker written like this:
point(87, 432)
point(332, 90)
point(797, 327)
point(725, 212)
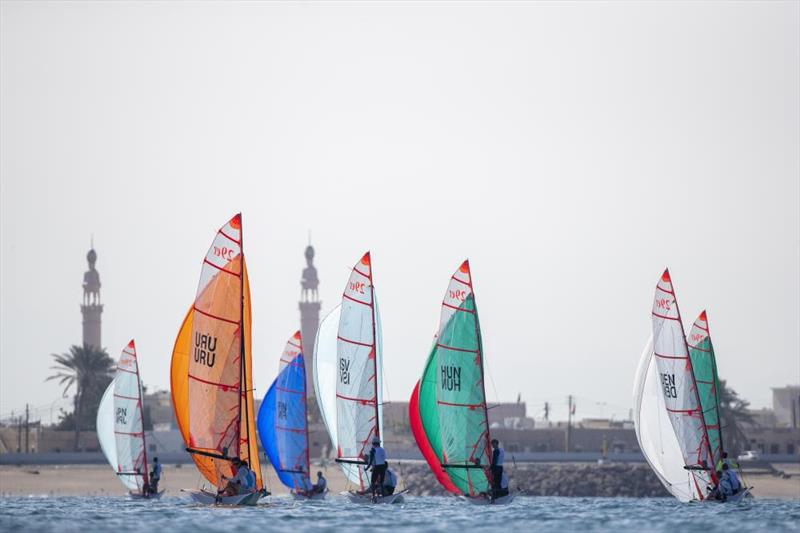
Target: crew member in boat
point(155, 477)
point(377, 462)
point(725, 461)
point(242, 482)
point(729, 482)
point(321, 484)
point(390, 482)
point(503, 491)
point(498, 458)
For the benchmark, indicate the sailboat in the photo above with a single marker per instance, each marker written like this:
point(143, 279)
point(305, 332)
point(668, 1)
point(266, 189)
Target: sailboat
point(348, 379)
point(211, 372)
point(283, 423)
point(447, 410)
point(120, 426)
point(671, 421)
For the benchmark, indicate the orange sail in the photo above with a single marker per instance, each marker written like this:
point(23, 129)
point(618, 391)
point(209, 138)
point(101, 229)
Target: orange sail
point(212, 389)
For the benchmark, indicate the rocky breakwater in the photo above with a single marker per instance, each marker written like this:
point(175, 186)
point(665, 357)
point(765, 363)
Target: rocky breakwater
point(555, 479)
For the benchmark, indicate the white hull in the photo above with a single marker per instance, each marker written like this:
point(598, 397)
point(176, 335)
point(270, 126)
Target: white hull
point(367, 498)
point(140, 496)
point(736, 498)
point(483, 500)
point(209, 498)
point(309, 497)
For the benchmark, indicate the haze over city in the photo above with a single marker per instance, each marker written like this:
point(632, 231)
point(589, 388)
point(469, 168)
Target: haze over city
point(570, 158)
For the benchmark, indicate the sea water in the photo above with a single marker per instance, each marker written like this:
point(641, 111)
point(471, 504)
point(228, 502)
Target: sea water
point(171, 514)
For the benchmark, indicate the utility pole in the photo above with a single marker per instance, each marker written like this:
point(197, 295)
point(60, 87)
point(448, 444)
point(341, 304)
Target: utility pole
point(569, 426)
point(27, 428)
point(547, 412)
point(19, 433)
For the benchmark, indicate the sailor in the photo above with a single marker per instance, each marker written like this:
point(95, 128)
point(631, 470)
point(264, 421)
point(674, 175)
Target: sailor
point(249, 482)
point(503, 486)
point(714, 492)
point(155, 476)
point(724, 460)
point(238, 483)
point(377, 462)
point(391, 481)
point(321, 484)
point(729, 482)
point(498, 457)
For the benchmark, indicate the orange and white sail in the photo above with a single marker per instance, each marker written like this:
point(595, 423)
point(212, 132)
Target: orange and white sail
point(211, 372)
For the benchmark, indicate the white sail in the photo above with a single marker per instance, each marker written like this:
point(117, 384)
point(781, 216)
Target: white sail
point(128, 421)
point(105, 425)
point(357, 409)
point(676, 382)
point(657, 439)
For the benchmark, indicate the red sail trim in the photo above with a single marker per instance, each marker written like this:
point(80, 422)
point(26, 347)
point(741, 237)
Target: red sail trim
point(698, 326)
point(290, 430)
point(296, 345)
point(355, 342)
point(359, 400)
point(670, 356)
point(209, 315)
point(689, 412)
point(125, 397)
point(461, 281)
point(458, 308)
point(239, 242)
point(698, 348)
point(289, 390)
point(665, 290)
point(357, 301)
point(136, 434)
point(220, 385)
point(126, 370)
point(665, 317)
point(440, 345)
point(231, 272)
point(357, 270)
point(469, 405)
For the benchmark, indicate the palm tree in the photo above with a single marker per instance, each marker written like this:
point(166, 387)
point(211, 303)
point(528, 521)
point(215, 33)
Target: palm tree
point(89, 369)
point(736, 416)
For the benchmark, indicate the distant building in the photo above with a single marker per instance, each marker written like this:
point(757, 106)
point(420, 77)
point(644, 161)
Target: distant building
point(786, 405)
point(91, 309)
point(309, 317)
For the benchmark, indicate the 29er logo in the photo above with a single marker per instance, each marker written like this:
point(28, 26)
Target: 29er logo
point(668, 383)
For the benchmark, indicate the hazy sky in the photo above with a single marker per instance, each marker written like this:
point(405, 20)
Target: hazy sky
point(570, 151)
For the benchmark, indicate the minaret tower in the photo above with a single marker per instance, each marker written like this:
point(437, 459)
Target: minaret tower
point(91, 307)
point(309, 315)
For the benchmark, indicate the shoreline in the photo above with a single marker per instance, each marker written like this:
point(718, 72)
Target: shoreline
point(554, 479)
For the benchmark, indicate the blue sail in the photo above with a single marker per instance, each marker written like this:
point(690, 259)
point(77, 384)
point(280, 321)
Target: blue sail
point(282, 422)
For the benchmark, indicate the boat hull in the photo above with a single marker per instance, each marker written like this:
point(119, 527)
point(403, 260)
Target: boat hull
point(483, 500)
point(140, 496)
point(736, 498)
point(367, 499)
point(209, 498)
point(309, 497)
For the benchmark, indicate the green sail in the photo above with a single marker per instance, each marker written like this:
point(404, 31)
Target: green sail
point(452, 402)
point(704, 366)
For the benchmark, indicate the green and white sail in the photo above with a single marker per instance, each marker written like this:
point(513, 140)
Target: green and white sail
point(704, 366)
point(451, 397)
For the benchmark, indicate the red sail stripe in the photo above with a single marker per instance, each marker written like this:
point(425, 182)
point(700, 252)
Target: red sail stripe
point(360, 400)
point(439, 344)
point(664, 317)
point(354, 342)
point(357, 301)
point(231, 272)
point(229, 237)
point(470, 405)
point(220, 385)
point(209, 315)
point(458, 308)
point(669, 356)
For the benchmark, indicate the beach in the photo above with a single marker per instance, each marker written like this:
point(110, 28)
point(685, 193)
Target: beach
point(99, 480)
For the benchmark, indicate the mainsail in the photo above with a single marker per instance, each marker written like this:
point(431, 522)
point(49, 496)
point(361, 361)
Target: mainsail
point(211, 374)
point(450, 419)
point(120, 423)
point(654, 431)
point(282, 419)
point(358, 417)
point(704, 365)
point(678, 387)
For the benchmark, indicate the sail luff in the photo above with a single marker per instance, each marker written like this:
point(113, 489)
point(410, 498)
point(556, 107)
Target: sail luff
point(305, 406)
point(141, 415)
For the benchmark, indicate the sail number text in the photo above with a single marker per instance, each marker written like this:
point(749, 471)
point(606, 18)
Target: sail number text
point(205, 349)
point(668, 383)
point(344, 371)
point(451, 378)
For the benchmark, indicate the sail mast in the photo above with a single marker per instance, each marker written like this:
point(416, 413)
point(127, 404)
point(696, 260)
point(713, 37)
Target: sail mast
point(305, 407)
point(487, 441)
point(242, 363)
point(374, 350)
point(146, 473)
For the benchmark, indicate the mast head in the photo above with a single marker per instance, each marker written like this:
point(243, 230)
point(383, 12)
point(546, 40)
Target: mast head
point(236, 221)
point(665, 276)
point(464, 267)
point(703, 316)
point(366, 259)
